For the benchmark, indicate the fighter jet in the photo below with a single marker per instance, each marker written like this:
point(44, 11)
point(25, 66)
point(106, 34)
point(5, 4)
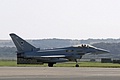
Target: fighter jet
point(29, 54)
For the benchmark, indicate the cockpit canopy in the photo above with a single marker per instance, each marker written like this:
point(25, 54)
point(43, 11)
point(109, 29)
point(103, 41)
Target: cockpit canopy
point(84, 45)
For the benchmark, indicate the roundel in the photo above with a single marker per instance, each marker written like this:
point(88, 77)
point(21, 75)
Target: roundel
point(22, 42)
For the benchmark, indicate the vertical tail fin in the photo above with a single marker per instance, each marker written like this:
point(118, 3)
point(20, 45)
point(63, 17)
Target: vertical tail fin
point(22, 45)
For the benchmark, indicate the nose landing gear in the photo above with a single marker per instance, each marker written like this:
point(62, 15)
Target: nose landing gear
point(77, 65)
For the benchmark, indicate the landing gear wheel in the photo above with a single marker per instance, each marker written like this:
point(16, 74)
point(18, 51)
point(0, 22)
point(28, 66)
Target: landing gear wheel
point(76, 65)
point(50, 64)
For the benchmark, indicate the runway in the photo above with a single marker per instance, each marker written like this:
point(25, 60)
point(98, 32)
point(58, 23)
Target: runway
point(58, 73)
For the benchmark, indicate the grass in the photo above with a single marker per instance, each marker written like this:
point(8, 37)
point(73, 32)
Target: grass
point(8, 63)
point(13, 63)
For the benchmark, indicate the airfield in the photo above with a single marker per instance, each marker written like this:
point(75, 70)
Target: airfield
point(59, 73)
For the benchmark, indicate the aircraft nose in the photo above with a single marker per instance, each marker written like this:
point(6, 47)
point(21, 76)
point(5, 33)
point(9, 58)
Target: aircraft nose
point(101, 51)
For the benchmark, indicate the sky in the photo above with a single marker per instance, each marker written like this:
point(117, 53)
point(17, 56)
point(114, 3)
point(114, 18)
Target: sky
point(64, 19)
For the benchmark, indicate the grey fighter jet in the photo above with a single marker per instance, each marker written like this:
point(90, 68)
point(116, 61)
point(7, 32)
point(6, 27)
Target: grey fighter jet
point(29, 54)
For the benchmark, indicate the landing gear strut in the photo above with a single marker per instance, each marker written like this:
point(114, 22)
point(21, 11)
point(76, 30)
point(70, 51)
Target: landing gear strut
point(77, 65)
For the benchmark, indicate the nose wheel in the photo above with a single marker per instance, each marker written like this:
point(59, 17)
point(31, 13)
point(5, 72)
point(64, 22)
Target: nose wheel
point(77, 65)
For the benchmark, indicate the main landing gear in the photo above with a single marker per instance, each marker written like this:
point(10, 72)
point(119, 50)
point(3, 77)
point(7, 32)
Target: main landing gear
point(50, 64)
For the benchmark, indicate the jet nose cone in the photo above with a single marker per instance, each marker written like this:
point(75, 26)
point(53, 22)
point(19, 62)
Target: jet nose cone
point(101, 51)
point(106, 51)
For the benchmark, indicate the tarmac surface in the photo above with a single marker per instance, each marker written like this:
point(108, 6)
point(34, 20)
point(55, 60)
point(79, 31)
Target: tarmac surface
point(58, 73)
